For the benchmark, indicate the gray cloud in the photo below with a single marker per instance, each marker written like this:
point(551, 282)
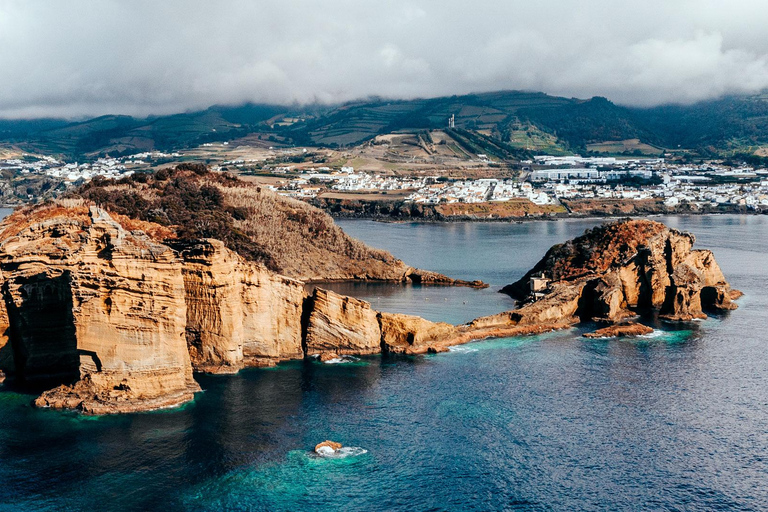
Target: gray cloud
point(78, 57)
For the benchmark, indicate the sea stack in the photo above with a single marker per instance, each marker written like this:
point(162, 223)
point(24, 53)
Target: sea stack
point(627, 267)
point(116, 313)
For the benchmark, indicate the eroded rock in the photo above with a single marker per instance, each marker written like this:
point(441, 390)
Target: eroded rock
point(238, 312)
point(90, 302)
point(327, 447)
point(341, 325)
point(120, 320)
point(406, 334)
point(629, 266)
point(620, 330)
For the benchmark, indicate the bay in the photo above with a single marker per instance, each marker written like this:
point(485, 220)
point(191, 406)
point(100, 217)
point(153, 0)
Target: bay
point(677, 420)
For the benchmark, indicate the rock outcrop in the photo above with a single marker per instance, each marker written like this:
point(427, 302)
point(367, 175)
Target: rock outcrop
point(406, 334)
point(341, 325)
point(620, 330)
point(120, 321)
point(92, 304)
point(116, 321)
point(238, 312)
point(327, 447)
point(630, 266)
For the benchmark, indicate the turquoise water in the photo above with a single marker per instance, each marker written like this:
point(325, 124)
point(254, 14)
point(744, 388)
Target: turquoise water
point(677, 420)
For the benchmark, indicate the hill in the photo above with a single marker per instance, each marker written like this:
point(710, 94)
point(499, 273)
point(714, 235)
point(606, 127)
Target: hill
point(286, 235)
point(505, 125)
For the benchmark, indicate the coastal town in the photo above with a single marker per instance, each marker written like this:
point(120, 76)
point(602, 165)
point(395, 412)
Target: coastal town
point(546, 180)
point(543, 180)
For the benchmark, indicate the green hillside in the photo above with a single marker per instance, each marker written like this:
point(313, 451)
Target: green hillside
point(505, 124)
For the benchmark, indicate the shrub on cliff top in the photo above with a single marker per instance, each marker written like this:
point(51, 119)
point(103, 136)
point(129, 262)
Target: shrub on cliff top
point(286, 235)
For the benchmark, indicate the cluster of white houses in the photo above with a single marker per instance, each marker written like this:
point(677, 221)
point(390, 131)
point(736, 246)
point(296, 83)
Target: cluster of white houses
point(674, 184)
point(72, 172)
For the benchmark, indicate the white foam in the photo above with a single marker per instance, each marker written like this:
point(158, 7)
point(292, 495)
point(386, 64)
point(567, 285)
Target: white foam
point(327, 452)
point(462, 348)
point(655, 334)
point(342, 359)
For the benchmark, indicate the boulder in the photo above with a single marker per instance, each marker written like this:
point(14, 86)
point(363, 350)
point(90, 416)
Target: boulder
point(327, 448)
point(620, 330)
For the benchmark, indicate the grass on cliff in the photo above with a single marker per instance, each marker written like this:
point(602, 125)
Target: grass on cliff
point(73, 208)
point(286, 235)
point(599, 248)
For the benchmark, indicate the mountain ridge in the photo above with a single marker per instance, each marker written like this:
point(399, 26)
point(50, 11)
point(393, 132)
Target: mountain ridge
point(720, 127)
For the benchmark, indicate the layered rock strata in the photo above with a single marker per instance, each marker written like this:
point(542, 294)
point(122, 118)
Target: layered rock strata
point(117, 321)
point(120, 321)
point(99, 309)
point(238, 312)
point(631, 266)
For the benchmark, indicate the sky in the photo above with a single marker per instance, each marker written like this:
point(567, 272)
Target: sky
point(78, 58)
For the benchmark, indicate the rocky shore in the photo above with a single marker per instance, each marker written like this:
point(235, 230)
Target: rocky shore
point(401, 211)
point(121, 319)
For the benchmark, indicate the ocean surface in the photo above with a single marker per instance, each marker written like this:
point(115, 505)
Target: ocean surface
point(676, 420)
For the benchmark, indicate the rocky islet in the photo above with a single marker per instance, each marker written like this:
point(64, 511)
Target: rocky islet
point(121, 320)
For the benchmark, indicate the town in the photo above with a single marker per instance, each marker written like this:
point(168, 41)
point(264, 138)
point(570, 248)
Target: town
point(546, 179)
point(543, 180)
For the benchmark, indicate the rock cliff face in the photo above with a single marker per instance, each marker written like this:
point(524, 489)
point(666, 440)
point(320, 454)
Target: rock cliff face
point(631, 266)
point(238, 312)
point(120, 321)
point(98, 309)
point(341, 325)
point(116, 321)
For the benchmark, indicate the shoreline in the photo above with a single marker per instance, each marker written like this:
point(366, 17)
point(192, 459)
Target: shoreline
point(399, 211)
point(544, 218)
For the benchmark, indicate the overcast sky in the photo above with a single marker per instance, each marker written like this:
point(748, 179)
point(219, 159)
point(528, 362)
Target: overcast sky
point(83, 58)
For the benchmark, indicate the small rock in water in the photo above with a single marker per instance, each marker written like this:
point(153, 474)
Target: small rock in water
point(619, 330)
point(327, 448)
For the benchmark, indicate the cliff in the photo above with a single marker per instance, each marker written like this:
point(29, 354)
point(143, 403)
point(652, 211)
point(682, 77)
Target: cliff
point(115, 321)
point(90, 303)
point(238, 312)
point(286, 236)
point(630, 266)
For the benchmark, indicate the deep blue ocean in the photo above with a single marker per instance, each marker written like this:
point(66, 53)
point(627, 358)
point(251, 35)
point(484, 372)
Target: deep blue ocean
point(677, 420)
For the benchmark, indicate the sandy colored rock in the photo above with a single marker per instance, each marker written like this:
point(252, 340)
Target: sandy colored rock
point(558, 308)
point(406, 334)
point(342, 325)
point(683, 295)
point(91, 302)
point(7, 363)
point(620, 330)
point(121, 320)
point(633, 265)
point(328, 444)
point(238, 313)
point(324, 357)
